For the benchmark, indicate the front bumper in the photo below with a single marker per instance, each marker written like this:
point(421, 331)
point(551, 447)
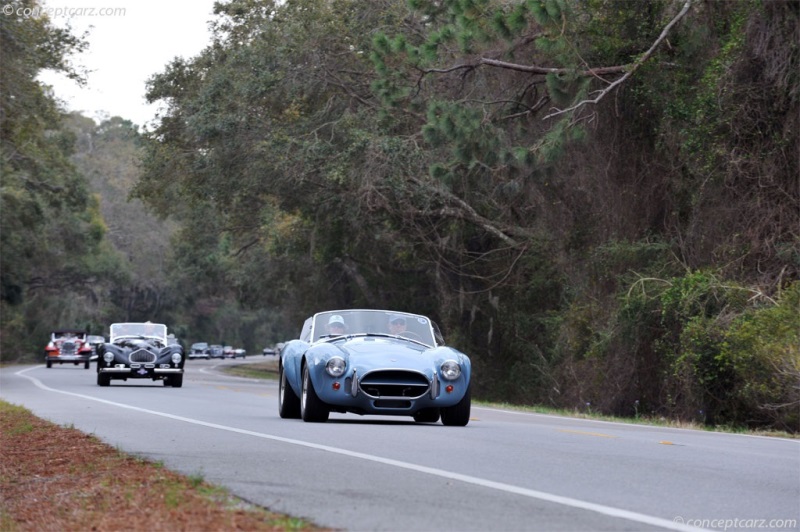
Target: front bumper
point(68, 358)
point(140, 370)
point(351, 398)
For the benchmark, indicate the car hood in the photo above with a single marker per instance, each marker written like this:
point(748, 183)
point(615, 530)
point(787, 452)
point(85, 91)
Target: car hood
point(138, 343)
point(376, 352)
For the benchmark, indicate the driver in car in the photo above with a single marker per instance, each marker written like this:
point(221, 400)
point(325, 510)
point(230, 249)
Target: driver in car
point(336, 325)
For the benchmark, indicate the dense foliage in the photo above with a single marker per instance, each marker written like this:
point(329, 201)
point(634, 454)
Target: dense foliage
point(597, 200)
point(55, 264)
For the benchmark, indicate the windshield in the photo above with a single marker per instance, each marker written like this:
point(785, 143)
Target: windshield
point(68, 335)
point(378, 322)
point(135, 330)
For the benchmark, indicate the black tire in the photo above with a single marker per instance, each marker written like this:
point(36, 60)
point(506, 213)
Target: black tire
point(288, 402)
point(103, 379)
point(49, 363)
point(427, 415)
point(312, 409)
point(176, 381)
point(458, 414)
point(86, 365)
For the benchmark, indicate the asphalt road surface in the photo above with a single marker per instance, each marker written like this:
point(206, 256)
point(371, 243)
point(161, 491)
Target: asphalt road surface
point(504, 471)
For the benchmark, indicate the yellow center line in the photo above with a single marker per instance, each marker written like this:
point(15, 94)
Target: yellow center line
point(598, 434)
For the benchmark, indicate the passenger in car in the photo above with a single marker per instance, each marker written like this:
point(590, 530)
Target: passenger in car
point(397, 324)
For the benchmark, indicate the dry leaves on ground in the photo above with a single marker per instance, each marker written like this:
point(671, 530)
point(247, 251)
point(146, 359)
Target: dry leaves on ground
point(59, 479)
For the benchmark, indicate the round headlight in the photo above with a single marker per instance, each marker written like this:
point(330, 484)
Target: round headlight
point(451, 370)
point(335, 367)
point(176, 358)
point(108, 357)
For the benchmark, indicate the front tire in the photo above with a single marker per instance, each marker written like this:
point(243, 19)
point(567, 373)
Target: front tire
point(458, 414)
point(86, 365)
point(176, 381)
point(103, 379)
point(288, 402)
point(312, 409)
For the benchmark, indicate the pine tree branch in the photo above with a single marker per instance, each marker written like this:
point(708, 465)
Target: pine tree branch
point(630, 69)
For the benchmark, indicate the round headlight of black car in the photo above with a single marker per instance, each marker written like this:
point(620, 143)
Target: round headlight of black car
point(176, 358)
point(335, 367)
point(451, 370)
point(108, 357)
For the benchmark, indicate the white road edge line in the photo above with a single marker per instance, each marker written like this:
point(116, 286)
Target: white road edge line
point(508, 488)
point(632, 425)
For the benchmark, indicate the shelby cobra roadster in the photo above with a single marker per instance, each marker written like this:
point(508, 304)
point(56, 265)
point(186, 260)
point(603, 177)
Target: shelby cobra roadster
point(140, 351)
point(373, 362)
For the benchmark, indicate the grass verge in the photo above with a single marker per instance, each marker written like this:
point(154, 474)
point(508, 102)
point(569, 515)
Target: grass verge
point(58, 478)
point(269, 370)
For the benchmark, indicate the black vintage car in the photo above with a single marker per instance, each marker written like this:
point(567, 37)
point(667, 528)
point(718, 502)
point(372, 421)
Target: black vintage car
point(140, 351)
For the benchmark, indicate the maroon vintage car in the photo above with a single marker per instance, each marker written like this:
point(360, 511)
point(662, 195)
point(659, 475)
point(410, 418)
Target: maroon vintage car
point(68, 346)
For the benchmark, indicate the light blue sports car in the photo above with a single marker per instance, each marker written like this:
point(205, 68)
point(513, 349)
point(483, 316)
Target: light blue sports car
point(376, 362)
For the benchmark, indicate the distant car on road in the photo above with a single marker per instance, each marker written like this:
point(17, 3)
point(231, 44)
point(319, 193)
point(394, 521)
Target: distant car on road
point(215, 351)
point(227, 352)
point(68, 346)
point(269, 351)
point(239, 352)
point(200, 350)
point(95, 341)
point(373, 362)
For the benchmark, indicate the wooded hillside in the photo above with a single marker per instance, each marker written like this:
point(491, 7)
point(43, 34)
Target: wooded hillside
point(597, 200)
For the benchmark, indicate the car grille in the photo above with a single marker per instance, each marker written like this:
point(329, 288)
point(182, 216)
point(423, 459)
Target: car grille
point(142, 356)
point(394, 384)
point(69, 348)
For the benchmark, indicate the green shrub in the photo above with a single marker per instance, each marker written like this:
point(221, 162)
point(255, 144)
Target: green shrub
point(727, 354)
point(762, 346)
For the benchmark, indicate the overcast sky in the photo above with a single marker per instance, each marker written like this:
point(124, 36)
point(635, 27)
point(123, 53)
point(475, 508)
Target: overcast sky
point(129, 41)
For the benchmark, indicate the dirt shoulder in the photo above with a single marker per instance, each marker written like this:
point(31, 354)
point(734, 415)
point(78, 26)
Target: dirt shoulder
point(60, 479)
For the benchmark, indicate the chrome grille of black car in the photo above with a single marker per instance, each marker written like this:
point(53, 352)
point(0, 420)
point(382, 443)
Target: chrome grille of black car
point(142, 356)
point(394, 383)
point(69, 348)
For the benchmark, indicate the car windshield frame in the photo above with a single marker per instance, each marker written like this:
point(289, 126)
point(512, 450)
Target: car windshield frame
point(61, 335)
point(368, 322)
point(157, 331)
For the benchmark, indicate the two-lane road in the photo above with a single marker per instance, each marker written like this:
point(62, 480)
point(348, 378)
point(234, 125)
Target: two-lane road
point(505, 471)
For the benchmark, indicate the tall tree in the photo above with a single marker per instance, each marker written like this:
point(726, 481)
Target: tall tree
point(505, 166)
point(52, 250)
